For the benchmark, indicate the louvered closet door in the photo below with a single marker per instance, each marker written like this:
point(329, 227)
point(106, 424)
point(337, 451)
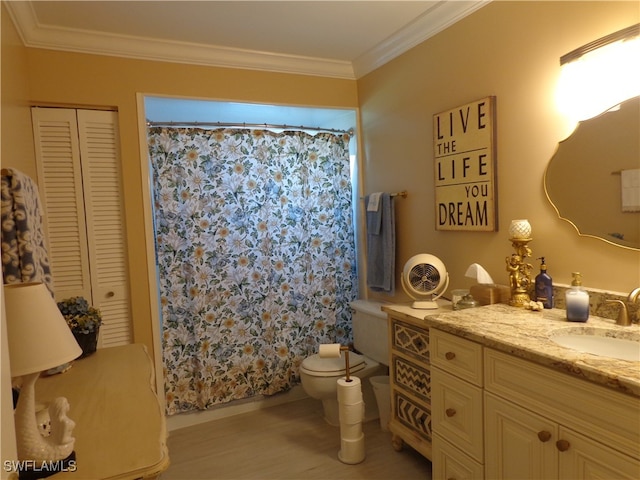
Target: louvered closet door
point(60, 186)
point(99, 151)
point(94, 191)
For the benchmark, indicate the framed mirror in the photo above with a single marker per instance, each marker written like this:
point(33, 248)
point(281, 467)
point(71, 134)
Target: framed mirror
point(583, 180)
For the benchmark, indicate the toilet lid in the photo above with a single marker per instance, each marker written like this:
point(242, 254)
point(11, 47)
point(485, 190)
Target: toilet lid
point(329, 367)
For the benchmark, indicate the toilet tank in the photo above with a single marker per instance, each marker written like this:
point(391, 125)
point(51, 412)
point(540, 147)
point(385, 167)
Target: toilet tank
point(370, 330)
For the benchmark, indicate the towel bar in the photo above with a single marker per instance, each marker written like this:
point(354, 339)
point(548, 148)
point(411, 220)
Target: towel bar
point(402, 194)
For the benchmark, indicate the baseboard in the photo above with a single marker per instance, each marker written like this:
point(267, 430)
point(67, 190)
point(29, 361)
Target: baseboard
point(183, 420)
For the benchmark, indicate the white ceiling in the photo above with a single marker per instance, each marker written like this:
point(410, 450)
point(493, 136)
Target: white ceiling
point(343, 39)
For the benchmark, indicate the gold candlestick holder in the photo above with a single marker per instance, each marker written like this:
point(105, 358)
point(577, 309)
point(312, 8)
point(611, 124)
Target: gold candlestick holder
point(519, 272)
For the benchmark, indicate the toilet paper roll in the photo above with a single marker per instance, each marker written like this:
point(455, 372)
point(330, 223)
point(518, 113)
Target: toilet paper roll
point(328, 350)
point(351, 414)
point(350, 397)
point(350, 431)
point(349, 392)
point(352, 451)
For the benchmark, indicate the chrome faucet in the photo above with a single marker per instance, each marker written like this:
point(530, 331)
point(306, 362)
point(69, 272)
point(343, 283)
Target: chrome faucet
point(624, 318)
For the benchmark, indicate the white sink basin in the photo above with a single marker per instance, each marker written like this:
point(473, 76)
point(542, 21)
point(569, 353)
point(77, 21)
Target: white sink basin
point(600, 342)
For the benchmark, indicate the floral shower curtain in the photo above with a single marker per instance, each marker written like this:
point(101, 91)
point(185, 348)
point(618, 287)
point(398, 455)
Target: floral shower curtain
point(256, 255)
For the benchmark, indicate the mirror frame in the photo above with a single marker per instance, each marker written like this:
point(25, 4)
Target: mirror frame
point(618, 243)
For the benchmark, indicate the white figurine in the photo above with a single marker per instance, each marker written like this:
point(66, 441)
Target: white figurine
point(61, 427)
point(31, 445)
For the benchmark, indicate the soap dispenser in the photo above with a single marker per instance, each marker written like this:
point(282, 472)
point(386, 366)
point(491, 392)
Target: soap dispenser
point(577, 300)
point(544, 286)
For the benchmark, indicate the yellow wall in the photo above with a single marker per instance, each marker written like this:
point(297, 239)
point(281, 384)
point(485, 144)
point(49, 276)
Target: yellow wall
point(510, 50)
point(17, 139)
point(62, 78)
point(507, 49)
point(14, 121)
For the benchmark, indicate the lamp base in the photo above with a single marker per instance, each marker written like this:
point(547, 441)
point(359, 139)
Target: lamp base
point(520, 300)
point(34, 471)
point(32, 447)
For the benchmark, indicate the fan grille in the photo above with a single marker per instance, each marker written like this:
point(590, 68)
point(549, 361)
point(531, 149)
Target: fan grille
point(424, 277)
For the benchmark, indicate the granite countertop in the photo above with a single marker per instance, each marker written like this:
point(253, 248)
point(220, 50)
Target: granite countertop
point(527, 334)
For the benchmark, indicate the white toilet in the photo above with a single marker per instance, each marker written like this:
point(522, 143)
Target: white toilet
point(320, 375)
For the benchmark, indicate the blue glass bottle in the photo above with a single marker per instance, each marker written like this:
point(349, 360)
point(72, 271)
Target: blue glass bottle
point(544, 286)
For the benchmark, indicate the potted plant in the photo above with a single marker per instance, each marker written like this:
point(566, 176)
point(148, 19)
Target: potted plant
point(84, 322)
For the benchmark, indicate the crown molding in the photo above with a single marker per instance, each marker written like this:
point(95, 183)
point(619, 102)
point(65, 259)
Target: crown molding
point(35, 35)
point(439, 17)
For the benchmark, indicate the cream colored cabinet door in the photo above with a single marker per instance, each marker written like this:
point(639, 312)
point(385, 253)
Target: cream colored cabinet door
point(79, 178)
point(522, 445)
point(519, 445)
point(585, 459)
point(449, 463)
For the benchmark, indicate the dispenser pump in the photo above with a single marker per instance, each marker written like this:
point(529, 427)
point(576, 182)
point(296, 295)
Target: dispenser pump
point(577, 278)
point(543, 266)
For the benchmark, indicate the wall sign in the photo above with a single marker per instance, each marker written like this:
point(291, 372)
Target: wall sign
point(465, 167)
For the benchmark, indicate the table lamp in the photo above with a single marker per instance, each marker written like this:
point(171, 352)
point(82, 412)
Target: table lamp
point(39, 339)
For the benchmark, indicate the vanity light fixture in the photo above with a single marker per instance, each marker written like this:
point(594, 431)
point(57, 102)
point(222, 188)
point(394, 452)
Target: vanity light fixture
point(600, 75)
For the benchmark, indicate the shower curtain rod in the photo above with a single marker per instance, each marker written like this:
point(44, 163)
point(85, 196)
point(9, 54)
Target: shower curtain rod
point(246, 125)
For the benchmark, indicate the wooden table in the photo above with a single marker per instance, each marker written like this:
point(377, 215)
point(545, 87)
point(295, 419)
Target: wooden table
point(120, 426)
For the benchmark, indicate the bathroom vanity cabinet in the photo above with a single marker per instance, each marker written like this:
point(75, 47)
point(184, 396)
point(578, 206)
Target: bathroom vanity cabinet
point(410, 383)
point(507, 403)
point(538, 423)
point(457, 406)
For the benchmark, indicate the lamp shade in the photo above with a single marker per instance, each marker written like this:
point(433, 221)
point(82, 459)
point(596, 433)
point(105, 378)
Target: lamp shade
point(38, 335)
point(520, 229)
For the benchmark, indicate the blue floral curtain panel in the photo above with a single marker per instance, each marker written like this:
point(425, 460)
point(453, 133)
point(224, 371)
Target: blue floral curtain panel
point(256, 255)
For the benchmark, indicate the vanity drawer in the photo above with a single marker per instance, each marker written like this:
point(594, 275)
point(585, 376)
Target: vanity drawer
point(457, 412)
point(414, 415)
point(410, 340)
point(411, 377)
point(457, 356)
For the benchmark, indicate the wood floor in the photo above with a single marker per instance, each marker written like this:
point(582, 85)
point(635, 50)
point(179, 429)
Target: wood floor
point(285, 442)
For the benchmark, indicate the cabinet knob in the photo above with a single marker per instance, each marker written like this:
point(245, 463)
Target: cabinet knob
point(544, 436)
point(449, 355)
point(450, 412)
point(563, 445)
point(111, 294)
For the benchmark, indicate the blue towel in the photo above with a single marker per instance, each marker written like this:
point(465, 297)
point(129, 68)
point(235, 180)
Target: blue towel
point(381, 246)
point(374, 213)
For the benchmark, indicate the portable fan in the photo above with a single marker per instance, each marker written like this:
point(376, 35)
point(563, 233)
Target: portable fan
point(425, 279)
